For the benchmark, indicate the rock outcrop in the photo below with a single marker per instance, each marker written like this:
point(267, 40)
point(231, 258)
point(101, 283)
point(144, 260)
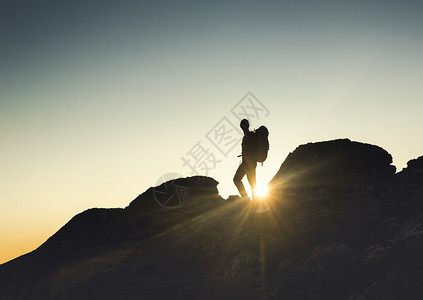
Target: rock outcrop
point(335, 162)
point(339, 224)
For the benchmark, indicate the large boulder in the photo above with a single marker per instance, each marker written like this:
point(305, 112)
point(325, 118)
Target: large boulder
point(174, 193)
point(335, 162)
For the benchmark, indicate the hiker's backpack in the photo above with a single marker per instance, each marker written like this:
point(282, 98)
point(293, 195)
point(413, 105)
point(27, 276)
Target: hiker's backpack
point(261, 143)
point(257, 144)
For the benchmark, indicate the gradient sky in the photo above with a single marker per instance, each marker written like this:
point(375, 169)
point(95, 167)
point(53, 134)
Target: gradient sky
point(99, 99)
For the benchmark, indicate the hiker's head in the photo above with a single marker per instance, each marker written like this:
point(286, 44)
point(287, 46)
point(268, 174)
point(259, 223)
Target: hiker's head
point(245, 124)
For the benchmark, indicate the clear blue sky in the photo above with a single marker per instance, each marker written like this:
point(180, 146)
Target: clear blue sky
point(99, 99)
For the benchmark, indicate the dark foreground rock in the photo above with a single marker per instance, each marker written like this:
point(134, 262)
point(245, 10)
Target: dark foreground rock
point(356, 235)
point(335, 162)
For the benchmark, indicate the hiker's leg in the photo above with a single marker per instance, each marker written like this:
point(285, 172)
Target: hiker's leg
point(239, 174)
point(251, 176)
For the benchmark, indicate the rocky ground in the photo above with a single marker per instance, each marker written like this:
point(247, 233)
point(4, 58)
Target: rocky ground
point(339, 224)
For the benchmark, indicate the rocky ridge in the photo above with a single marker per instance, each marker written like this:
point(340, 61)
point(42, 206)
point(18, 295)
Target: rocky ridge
point(338, 224)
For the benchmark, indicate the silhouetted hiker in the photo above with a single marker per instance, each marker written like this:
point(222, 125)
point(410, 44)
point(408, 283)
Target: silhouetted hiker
point(255, 145)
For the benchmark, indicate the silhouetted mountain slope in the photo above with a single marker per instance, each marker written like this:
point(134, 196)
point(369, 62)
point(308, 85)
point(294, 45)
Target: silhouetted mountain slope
point(338, 225)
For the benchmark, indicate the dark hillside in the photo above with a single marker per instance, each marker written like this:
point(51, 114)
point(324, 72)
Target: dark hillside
point(339, 224)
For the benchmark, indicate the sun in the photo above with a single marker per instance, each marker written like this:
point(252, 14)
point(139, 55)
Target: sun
point(261, 190)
